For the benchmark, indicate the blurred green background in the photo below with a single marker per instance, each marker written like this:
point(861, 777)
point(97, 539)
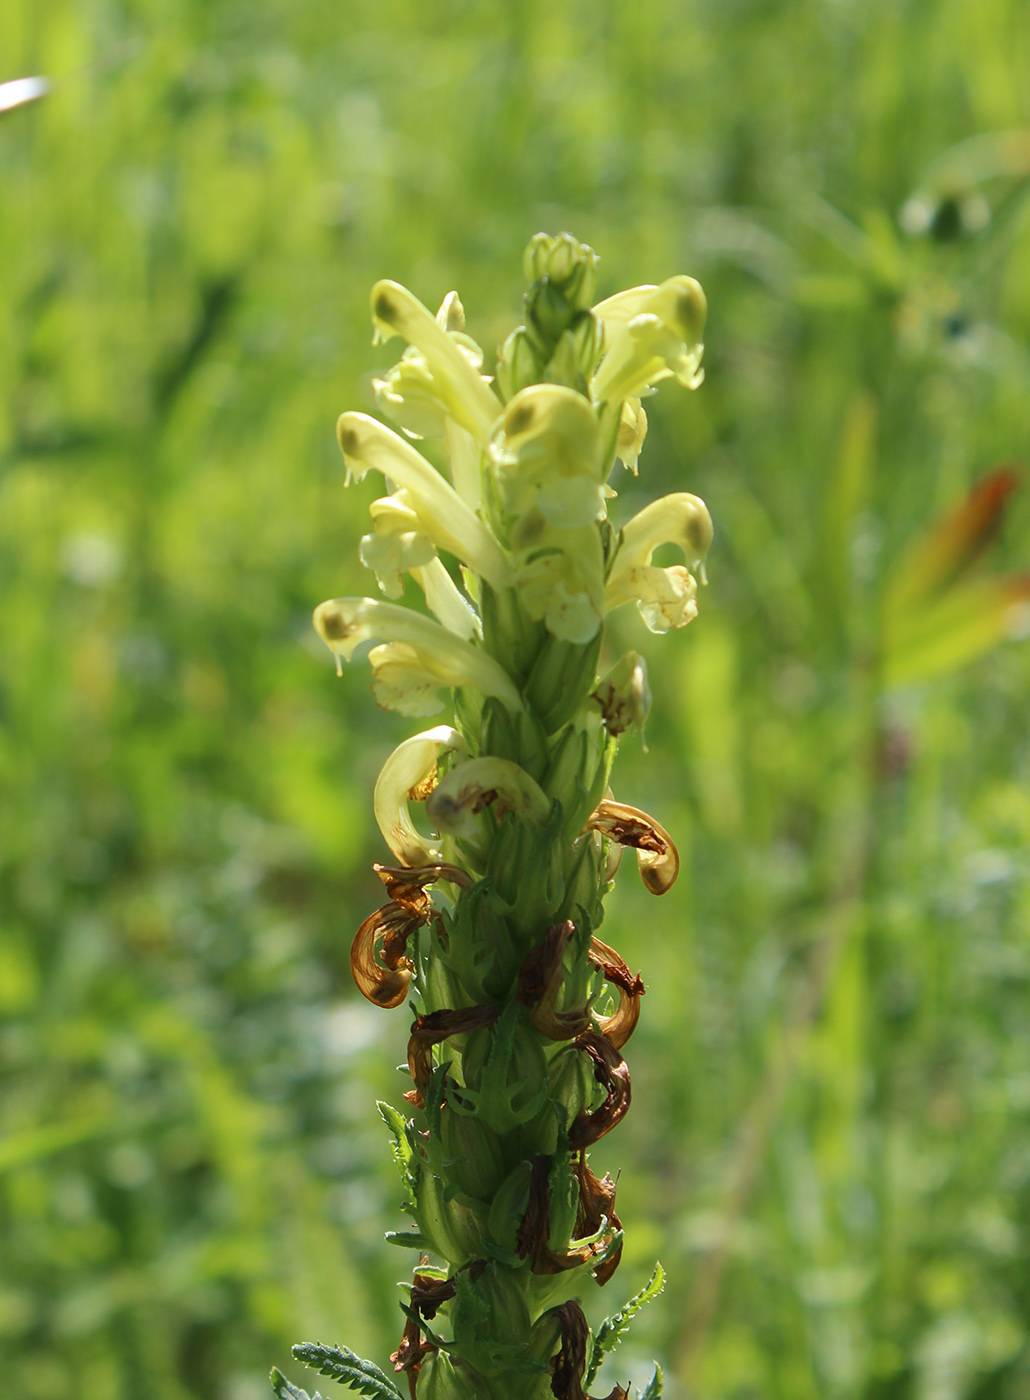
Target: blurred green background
point(830, 1144)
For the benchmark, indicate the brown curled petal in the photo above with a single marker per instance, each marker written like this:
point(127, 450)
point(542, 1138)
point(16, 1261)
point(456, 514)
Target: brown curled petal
point(622, 1023)
point(406, 884)
point(611, 1070)
point(428, 1293)
point(540, 980)
point(597, 1205)
point(657, 856)
point(570, 1363)
point(427, 1031)
point(407, 1354)
point(535, 1225)
point(532, 1231)
point(384, 982)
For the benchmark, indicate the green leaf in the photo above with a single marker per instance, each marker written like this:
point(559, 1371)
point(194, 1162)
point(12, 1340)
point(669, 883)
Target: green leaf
point(962, 625)
point(341, 1364)
point(654, 1387)
point(614, 1328)
point(286, 1390)
point(408, 1239)
point(401, 1147)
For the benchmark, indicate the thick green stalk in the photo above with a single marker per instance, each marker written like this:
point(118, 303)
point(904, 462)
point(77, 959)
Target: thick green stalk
point(520, 1012)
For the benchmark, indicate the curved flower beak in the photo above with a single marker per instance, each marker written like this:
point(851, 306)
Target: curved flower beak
point(657, 857)
point(406, 776)
point(344, 623)
point(666, 597)
point(459, 386)
point(368, 445)
point(656, 335)
point(547, 453)
point(680, 519)
point(458, 799)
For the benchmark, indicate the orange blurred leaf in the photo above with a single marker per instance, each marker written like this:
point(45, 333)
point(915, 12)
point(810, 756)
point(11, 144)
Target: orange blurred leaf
point(940, 557)
point(960, 626)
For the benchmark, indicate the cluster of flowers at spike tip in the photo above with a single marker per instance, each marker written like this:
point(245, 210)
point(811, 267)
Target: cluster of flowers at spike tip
point(523, 503)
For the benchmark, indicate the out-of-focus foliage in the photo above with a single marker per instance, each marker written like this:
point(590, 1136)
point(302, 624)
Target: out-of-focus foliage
point(832, 1073)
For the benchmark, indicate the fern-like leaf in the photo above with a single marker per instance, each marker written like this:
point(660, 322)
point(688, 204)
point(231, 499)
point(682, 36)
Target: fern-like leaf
point(614, 1328)
point(286, 1390)
point(343, 1365)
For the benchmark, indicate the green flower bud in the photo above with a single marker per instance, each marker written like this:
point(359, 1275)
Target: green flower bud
point(509, 1206)
point(472, 1154)
point(449, 1227)
point(624, 696)
point(571, 1082)
point(518, 363)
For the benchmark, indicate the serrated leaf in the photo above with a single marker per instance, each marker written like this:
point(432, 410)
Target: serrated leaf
point(614, 1328)
point(343, 1365)
point(286, 1390)
point(401, 1147)
point(655, 1385)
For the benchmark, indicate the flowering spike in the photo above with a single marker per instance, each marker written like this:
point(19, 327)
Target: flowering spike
point(516, 1048)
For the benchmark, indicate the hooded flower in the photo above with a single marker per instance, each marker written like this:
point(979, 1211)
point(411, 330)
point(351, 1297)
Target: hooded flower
point(547, 453)
point(665, 597)
point(651, 334)
point(456, 381)
point(431, 656)
point(445, 517)
point(409, 774)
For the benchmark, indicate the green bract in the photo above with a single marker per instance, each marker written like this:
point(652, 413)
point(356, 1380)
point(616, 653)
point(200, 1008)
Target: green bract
point(521, 1013)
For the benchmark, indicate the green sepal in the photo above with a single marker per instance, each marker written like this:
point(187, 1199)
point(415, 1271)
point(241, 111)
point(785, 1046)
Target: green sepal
point(510, 635)
point(477, 937)
point(474, 1160)
point(562, 677)
point(402, 1148)
point(450, 1227)
point(614, 1328)
point(343, 1365)
point(508, 1207)
point(436, 1340)
point(526, 872)
point(518, 736)
point(286, 1390)
point(508, 1067)
point(563, 1201)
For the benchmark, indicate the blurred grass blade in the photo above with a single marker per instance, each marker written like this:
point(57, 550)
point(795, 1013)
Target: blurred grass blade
point(991, 155)
point(17, 1149)
point(848, 491)
point(939, 558)
point(964, 624)
point(20, 91)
